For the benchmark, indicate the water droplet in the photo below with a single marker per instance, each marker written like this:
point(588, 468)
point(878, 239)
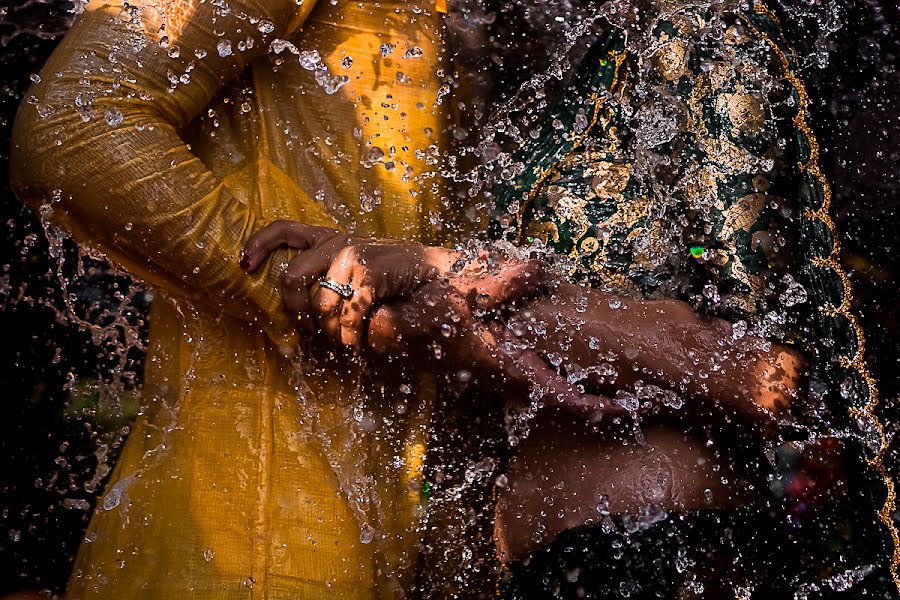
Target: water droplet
point(224, 48)
point(310, 60)
point(112, 498)
point(278, 46)
point(711, 293)
point(374, 155)
point(366, 534)
point(113, 116)
point(793, 294)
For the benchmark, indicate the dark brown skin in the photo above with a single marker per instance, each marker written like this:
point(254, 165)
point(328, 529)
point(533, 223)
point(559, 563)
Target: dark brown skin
point(664, 343)
point(564, 469)
point(568, 461)
point(379, 270)
point(436, 329)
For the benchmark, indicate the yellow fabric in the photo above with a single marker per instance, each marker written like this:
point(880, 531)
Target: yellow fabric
point(223, 489)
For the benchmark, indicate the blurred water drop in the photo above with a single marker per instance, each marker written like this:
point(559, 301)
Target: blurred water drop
point(113, 117)
point(366, 534)
point(224, 48)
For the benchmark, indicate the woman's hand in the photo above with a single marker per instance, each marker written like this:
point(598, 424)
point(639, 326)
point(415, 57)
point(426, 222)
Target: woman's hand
point(445, 327)
point(376, 270)
point(619, 343)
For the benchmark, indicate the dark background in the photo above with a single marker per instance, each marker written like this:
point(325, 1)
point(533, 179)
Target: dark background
point(55, 434)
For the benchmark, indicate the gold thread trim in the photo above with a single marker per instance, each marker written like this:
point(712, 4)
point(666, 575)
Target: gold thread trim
point(618, 58)
point(832, 261)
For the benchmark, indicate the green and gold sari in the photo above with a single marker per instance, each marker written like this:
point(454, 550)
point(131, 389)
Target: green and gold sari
point(681, 164)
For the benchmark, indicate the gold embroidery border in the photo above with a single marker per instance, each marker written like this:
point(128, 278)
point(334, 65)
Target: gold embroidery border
point(832, 261)
point(618, 58)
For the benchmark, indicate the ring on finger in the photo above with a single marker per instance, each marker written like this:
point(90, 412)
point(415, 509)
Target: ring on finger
point(344, 290)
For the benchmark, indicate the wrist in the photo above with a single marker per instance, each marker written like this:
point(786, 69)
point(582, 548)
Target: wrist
point(439, 261)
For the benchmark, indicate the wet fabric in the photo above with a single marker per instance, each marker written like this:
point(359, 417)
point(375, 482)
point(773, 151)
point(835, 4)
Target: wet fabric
point(669, 176)
point(690, 171)
point(164, 134)
point(710, 554)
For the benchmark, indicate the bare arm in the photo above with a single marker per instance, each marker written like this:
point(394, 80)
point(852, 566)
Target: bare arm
point(620, 341)
point(99, 143)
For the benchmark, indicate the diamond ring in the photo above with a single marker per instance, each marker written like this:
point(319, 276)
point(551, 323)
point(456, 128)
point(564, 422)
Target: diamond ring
point(344, 290)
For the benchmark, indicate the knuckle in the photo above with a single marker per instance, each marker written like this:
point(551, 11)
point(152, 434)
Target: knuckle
point(347, 255)
point(324, 304)
point(333, 328)
point(294, 280)
point(360, 274)
point(364, 298)
point(348, 319)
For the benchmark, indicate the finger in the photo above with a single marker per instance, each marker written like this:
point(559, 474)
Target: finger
point(298, 278)
point(401, 327)
point(327, 303)
point(383, 335)
point(546, 384)
point(280, 233)
point(554, 390)
point(512, 282)
point(355, 310)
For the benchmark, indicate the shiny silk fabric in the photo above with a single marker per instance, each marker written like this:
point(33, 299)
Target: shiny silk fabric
point(165, 133)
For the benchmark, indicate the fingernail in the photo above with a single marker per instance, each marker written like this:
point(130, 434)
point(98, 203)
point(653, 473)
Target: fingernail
point(245, 260)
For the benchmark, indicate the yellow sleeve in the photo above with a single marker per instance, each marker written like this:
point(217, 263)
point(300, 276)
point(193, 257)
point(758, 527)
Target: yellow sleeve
point(97, 141)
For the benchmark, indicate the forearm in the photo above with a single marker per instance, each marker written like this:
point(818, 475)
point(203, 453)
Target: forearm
point(108, 160)
point(664, 343)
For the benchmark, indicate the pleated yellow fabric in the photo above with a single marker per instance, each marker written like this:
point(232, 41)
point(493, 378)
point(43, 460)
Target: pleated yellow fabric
point(164, 133)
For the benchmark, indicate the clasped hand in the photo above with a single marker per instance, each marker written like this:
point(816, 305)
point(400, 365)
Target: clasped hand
point(421, 303)
point(377, 270)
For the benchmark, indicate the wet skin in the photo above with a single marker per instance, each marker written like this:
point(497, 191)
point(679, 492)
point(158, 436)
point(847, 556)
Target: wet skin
point(560, 471)
point(569, 460)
